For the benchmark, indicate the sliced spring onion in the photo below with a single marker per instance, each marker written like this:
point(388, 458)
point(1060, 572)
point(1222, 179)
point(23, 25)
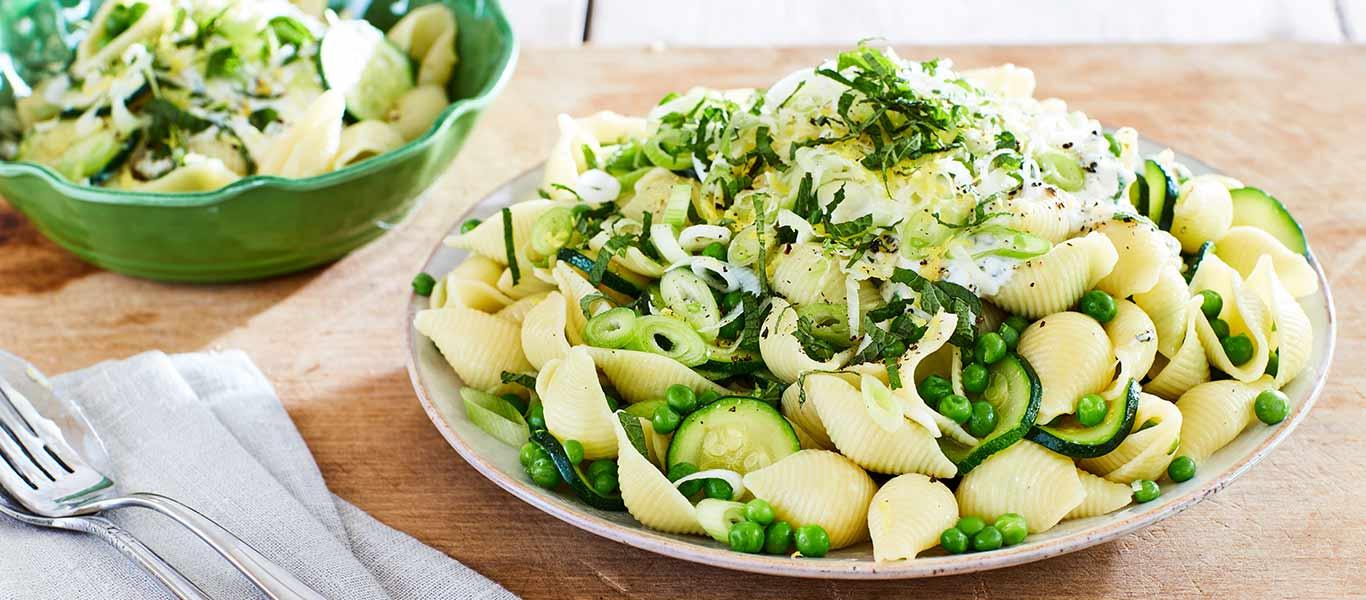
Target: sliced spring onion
point(880, 404)
point(1017, 244)
point(611, 329)
point(744, 248)
point(689, 297)
point(1061, 170)
point(495, 416)
point(851, 304)
point(791, 220)
point(735, 312)
point(654, 150)
point(552, 230)
point(697, 237)
point(669, 337)
point(717, 517)
point(723, 276)
point(662, 236)
point(595, 186)
point(676, 207)
point(736, 481)
point(827, 322)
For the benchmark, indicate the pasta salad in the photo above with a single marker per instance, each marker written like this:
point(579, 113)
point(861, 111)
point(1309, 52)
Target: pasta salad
point(880, 300)
point(191, 95)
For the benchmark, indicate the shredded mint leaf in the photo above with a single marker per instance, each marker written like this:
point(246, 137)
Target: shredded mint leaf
point(522, 379)
point(945, 296)
point(223, 62)
point(262, 117)
point(812, 345)
point(509, 248)
point(807, 206)
point(290, 32)
point(754, 322)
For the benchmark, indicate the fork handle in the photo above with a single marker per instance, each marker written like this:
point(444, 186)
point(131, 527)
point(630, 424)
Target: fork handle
point(271, 578)
point(144, 557)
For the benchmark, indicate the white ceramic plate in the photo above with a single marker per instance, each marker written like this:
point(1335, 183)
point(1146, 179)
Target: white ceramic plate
point(438, 389)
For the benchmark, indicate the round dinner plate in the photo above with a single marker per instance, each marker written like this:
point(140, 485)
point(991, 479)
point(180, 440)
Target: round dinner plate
point(438, 388)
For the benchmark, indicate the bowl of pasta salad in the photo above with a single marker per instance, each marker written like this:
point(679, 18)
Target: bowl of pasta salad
point(222, 140)
point(884, 319)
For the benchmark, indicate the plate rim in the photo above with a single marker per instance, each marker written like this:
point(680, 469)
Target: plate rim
point(843, 568)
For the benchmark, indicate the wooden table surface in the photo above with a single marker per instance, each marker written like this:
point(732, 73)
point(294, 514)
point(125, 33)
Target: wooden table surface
point(1291, 119)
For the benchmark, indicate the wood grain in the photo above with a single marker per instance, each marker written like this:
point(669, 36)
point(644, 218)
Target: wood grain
point(1287, 118)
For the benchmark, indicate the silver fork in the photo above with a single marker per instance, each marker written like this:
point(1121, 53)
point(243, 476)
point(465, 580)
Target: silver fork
point(130, 546)
point(40, 470)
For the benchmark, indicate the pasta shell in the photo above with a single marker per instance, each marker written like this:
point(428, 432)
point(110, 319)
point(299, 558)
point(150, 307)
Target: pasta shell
point(575, 405)
point(805, 275)
point(1244, 246)
point(487, 239)
point(804, 417)
point(1072, 357)
point(1165, 304)
point(1214, 413)
point(1291, 335)
point(641, 376)
point(1203, 212)
point(1102, 497)
point(1051, 283)
point(1188, 367)
point(649, 496)
point(1143, 253)
point(1244, 313)
point(1134, 339)
point(477, 345)
point(908, 514)
point(516, 312)
point(1148, 450)
point(907, 449)
point(543, 338)
point(781, 351)
point(817, 487)
point(1026, 479)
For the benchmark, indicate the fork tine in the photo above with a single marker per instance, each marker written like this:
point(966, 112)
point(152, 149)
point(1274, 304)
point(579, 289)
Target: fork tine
point(41, 427)
point(30, 432)
point(26, 474)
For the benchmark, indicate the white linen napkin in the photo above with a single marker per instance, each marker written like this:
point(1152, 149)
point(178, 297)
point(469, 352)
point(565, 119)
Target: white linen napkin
point(208, 430)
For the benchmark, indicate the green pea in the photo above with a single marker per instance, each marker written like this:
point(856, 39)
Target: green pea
point(718, 489)
point(681, 470)
point(1098, 305)
point(812, 541)
point(681, 398)
point(1146, 490)
point(971, 525)
point(716, 250)
point(778, 538)
point(1181, 469)
point(1220, 328)
point(516, 401)
point(1010, 334)
point(529, 452)
point(423, 284)
point(1013, 528)
point(991, 347)
point(934, 388)
point(989, 538)
point(1238, 348)
point(1271, 407)
point(731, 300)
point(707, 397)
point(469, 225)
point(983, 419)
point(956, 407)
point(535, 418)
point(759, 511)
point(976, 378)
point(746, 537)
point(544, 473)
point(1211, 303)
point(1017, 322)
point(574, 450)
point(1091, 410)
point(665, 420)
point(954, 541)
point(605, 484)
point(601, 466)
point(1273, 362)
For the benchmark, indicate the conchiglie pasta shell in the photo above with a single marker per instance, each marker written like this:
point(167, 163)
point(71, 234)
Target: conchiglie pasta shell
point(516, 312)
point(907, 449)
point(1072, 357)
point(1102, 496)
point(528, 284)
point(417, 109)
point(363, 140)
point(805, 275)
point(427, 34)
point(649, 496)
point(1134, 339)
point(1214, 413)
point(543, 338)
point(781, 351)
point(1051, 283)
point(1026, 479)
point(641, 376)
point(574, 288)
point(817, 487)
point(1292, 334)
point(198, 177)
point(804, 416)
point(306, 148)
point(907, 515)
point(575, 405)
point(475, 295)
point(1146, 453)
point(487, 239)
point(1143, 253)
point(1203, 212)
point(1243, 246)
point(478, 346)
point(1188, 367)
point(1165, 304)
point(1044, 219)
point(1244, 313)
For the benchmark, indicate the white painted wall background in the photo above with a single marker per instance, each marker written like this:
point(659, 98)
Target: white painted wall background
point(560, 23)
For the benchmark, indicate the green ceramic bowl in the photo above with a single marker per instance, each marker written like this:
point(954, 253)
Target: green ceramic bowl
point(260, 225)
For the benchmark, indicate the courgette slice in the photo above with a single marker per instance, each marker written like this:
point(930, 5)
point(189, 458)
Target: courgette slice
point(371, 72)
point(1206, 249)
point(94, 156)
point(610, 278)
point(1138, 194)
point(1259, 209)
point(1161, 192)
point(1070, 438)
point(736, 433)
point(573, 476)
point(1016, 394)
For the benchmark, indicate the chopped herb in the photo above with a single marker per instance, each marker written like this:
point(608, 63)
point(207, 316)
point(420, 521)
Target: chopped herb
point(754, 316)
point(799, 87)
point(121, 17)
point(290, 32)
point(589, 158)
point(522, 379)
point(586, 303)
point(509, 248)
point(812, 345)
point(263, 117)
point(223, 62)
point(761, 263)
point(945, 296)
point(561, 186)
